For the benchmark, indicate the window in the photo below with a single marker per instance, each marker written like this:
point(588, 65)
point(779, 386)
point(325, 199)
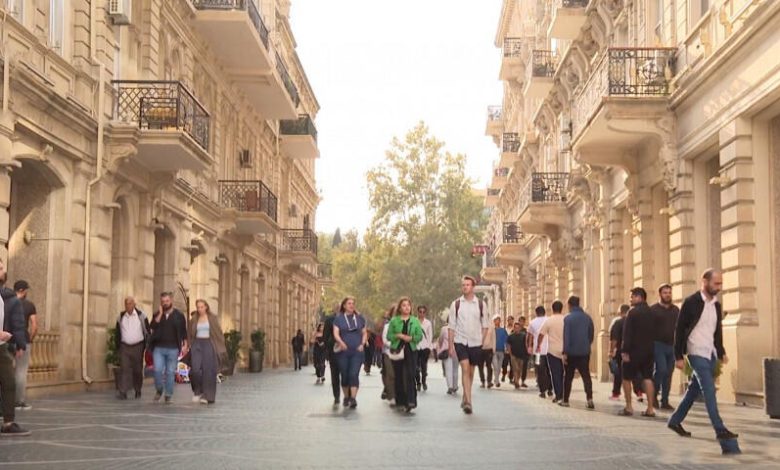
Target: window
point(659, 21)
point(56, 23)
point(698, 9)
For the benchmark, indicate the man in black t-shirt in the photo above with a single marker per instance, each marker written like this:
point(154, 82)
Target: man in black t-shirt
point(518, 352)
point(21, 288)
point(168, 341)
point(638, 350)
point(330, 342)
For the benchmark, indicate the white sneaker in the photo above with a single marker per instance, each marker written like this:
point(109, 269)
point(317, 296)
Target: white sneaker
point(196, 398)
point(203, 401)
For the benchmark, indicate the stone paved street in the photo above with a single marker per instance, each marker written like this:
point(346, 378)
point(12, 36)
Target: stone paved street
point(279, 419)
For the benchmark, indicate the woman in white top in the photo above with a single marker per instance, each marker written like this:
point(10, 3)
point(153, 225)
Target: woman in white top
point(449, 364)
point(207, 352)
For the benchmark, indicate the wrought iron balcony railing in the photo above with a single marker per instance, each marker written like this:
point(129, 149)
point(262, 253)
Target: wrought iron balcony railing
point(281, 69)
point(544, 188)
point(154, 104)
point(248, 196)
point(301, 126)
point(299, 240)
point(512, 233)
point(493, 192)
point(624, 72)
point(502, 172)
point(494, 113)
point(544, 63)
point(248, 5)
point(510, 142)
point(513, 47)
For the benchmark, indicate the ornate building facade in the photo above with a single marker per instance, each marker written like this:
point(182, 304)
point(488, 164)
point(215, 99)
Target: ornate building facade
point(640, 144)
point(150, 146)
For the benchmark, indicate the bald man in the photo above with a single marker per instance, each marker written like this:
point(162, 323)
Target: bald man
point(132, 333)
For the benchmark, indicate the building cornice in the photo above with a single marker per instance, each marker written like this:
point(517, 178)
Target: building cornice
point(507, 9)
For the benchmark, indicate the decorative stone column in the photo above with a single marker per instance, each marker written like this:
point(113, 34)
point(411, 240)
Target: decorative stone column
point(682, 253)
point(738, 261)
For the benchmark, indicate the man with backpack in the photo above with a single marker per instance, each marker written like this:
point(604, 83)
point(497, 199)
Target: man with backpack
point(468, 326)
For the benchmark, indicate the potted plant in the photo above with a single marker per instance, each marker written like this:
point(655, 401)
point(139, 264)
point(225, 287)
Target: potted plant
point(233, 346)
point(257, 353)
point(112, 355)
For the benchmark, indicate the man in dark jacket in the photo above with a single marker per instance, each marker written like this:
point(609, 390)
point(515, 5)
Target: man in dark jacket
point(699, 335)
point(297, 343)
point(638, 350)
point(578, 334)
point(12, 342)
point(132, 334)
point(330, 342)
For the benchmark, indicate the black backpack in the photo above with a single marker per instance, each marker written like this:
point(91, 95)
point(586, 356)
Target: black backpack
point(481, 309)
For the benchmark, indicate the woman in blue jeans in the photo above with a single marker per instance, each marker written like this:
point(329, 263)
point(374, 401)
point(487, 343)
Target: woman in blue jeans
point(349, 330)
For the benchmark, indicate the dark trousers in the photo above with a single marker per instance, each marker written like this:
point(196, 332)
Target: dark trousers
point(297, 359)
point(131, 367)
point(617, 381)
point(368, 359)
point(543, 374)
point(556, 375)
point(486, 361)
point(388, 377)
point(7, 384)
point(507, 364)
point(580, 364)
point(335, 376)
point(405, 370)
point(422, 366)
point(319, 362)
point(203, 376)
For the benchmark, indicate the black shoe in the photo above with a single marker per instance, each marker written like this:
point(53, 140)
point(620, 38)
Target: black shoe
point(425, 387)
point(13, 430)
point(346, 402)
point(157, 395)
point(137, 394)
point(419, 387)
point(450, 391)
point(591, 406)
point(542, 395)
point(121, 396)
point(655, 403)
point(549, 393)
point(725, 434)
point(467, 408)
point(564, 404)
point(666, 406)
point(352, 403)
point(168, 400)
point(679, 430)
point(384, 395)
point(490, 385)
point(336, 402)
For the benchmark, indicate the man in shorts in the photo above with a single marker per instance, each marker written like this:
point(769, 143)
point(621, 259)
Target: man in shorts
point(638, 350)
point(468, 323)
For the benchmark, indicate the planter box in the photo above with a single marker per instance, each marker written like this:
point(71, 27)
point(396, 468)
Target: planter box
point(255, 361)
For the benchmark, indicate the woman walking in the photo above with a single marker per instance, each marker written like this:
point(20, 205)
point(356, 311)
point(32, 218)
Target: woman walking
point(404, 333)
point(318, 346)
point(388, 374)
point(349, 330)
point(449, 364)
point(208, 352)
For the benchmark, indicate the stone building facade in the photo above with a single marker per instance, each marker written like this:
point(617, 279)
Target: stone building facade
point(640, 144)
point(150, 146)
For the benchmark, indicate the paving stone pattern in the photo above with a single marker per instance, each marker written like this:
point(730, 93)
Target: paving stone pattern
point(280, 419)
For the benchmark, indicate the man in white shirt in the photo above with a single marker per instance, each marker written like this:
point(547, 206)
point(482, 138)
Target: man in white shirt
point(132, 331)
point(539, 352)
point(423, 349)
point(468, 324)
point(699, 335)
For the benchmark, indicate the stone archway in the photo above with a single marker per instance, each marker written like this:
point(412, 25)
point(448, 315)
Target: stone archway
point(123, 254)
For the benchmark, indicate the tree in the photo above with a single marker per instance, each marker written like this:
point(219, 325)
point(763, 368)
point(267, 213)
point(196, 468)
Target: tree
point(336, 238)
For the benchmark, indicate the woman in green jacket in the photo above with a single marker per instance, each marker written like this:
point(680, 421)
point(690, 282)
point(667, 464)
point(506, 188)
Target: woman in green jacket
point(404, 332)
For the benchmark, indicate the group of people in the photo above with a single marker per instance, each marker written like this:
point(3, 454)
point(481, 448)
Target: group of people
point(19, 327)
point(646, 344)
point(170, 338)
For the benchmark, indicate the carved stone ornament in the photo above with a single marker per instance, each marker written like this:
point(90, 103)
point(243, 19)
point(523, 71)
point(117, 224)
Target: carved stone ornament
point(667, 153)
point(632, 201)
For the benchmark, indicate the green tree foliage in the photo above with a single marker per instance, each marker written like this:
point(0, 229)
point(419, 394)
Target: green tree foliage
point(425, 219)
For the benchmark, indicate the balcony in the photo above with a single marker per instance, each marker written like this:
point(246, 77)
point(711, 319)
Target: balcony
point(510, 252)
point(510, 145)
point(513, 63)
point(568, 17)
point(299, 246)
point(325, 274)
point(164, 122)
point(491, 272)
point(495, 123)
point(249, 205)
point(299, 138)
point(539, 80)
point(621, 103)
point(236, 32)
point(500, 178)
point(543, 204)
point(492, 197)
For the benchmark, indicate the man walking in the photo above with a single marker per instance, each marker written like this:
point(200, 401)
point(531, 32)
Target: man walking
point(499, 350)
point(168, 339)
point(553, 331)
point(423, 348)
point(638, 349)
point(615, 351)
point(31, 328)
point(506, 363)
point(12, 334)
point(297, 343)
point(486, 358)
point(330, 342)
point(518, 352)
point(699, 337)
point(468, 327)
point(539, 349)
point(132, 333)
point(577, 340)
point(665, 313)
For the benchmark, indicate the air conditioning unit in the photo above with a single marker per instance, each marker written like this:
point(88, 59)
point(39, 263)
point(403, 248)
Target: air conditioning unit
point(245, 159)
point(119, 11)
point(293, 210)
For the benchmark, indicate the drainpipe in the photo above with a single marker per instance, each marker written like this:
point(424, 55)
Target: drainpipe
point(98, 175)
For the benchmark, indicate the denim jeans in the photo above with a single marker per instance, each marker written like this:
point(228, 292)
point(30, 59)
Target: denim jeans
point(22, 365)
point(498, 359)
point(349, 364)
point(702, 382)
point(556, 373)
point(165, 362)
point(664, 366)
point(297, 359)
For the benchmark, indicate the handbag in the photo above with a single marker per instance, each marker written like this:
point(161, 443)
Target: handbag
point(396, 354)
point(444, 355)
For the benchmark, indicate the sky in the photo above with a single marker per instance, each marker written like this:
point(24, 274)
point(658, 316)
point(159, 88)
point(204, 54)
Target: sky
point(377, 68)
